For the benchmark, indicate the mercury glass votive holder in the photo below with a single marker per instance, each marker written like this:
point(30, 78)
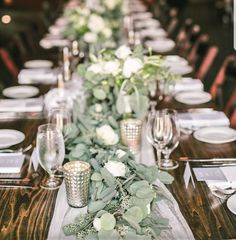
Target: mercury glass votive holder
point(77, 176)
point(131, 132)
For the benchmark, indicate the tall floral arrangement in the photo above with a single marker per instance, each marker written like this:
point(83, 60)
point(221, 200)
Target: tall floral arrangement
point(121, 193)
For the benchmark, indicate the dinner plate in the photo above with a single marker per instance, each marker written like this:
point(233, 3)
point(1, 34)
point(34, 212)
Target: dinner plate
point(180, 69)
point(9, 137)
point(153, 33)
point(38, 64)
point(161, 45)
point(231, 204)
point(193, 97)
point(20, 92)
point(176, 60)
point(215, 135)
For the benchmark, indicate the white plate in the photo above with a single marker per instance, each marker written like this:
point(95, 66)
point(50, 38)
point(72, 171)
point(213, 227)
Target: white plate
point(194, 97)
point(153, 33)
point(180, 69)
point(38, 64)
point(9, 137)
point(215, 135)
point(176, 60)
point(20, 92)
point(231, 204)
point(162, 45)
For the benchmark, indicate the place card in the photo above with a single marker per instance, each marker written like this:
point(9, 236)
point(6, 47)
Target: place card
point(34, 160)
point(188, 175)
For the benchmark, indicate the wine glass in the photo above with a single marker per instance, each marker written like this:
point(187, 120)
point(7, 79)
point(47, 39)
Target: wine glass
point(62, 118)
point(173, 143)
point(51, 152)
point(159, 132)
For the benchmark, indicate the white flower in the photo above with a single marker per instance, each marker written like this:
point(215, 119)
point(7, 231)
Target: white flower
point(131, 65)
point(96, 68)
point(98, 108)
point(107, 135)
point(96, 23)
point(123, 52)
point(117, 169)
point(97, 223)
point(110, 4)
point(107, 32)
point(90, 37)
point(111, 67)
point(120, 153)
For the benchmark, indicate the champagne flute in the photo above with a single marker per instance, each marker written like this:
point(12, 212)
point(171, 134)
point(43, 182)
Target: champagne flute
point(51, 152)
point(168, 163)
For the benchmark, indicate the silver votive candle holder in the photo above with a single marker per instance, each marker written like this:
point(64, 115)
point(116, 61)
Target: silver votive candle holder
point(77, 176)
point(131, 132)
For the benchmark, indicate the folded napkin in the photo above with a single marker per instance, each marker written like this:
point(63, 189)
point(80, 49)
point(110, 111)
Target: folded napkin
point(203, 119)
point(161, 45)
point(230, 179)
point(188, 84)
point(21, 105)
point(29, 76)
point(11, 162)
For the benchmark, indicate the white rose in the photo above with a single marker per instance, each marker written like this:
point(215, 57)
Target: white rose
point(98, 107)
point(111, 67)
point(107, 32)
point(96, 68)
point(110, 4)
point(117, 169)
point(90, 37)
point(120, 153)
point(131, 65)
point(96, 23)
point(97, 223)
point(85, 11)
point(123, 52)
point(107, 135)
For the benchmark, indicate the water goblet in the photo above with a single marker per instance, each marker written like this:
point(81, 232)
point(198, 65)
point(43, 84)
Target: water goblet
point(168, 163)
point(51, 152)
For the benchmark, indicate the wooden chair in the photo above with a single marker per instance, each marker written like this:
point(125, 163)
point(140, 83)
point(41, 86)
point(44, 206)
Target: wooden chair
point(207, 62)
point(220, 76)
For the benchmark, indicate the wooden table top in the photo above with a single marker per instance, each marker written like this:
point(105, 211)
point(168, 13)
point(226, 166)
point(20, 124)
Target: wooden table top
point(26, 213)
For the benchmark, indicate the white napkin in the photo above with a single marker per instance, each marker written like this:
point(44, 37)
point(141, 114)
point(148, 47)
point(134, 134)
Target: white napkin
point(146, 23)
point(29, 76)
point(188, 84)
point(11, 162)
point(203, 119)
point(21, 105)
point(229, 173)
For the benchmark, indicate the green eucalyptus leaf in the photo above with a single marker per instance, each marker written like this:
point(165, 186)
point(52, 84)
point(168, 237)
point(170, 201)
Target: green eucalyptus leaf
point(95, 206)
point(107, 191)
point(96, 177)
point(132, 222)
point(136, 213)
point(108, 221)
point(108, 235)
point(165, 177)
point(109, 196)
point(108, 177)
point(113, 122)
point(145, 192)
point(92, 236)
point(137, 185)
point(99, 94)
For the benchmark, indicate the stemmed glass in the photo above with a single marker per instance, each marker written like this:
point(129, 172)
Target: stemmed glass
point(173, 143)
point(51, 152)
point(62, 118)
point(159, 132)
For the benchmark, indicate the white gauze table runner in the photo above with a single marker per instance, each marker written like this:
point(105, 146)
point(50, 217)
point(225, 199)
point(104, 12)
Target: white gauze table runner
point(167, 208)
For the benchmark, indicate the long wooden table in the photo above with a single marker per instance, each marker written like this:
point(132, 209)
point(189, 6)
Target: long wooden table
point(26, 213)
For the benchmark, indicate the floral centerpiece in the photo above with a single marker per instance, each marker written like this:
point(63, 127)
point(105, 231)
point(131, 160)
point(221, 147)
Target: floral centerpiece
point(96, 26)
point(121, 190)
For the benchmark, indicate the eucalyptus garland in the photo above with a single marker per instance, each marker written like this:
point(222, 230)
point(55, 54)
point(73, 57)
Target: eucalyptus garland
point(121, 193)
